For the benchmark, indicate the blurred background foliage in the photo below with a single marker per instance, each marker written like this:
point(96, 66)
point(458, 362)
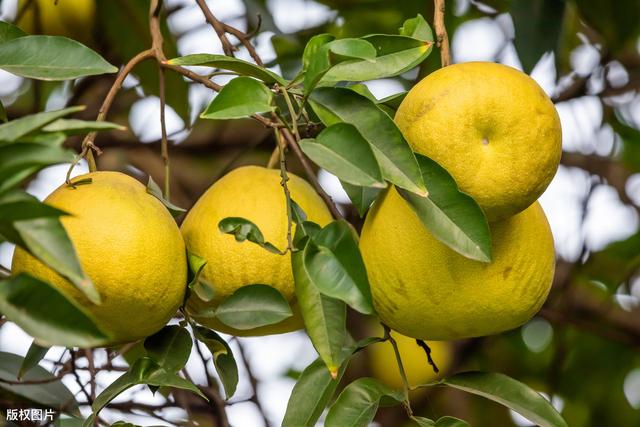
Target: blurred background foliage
point(582, 350)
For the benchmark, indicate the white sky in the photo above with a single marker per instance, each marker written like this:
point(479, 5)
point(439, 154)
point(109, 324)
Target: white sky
point(607, 218)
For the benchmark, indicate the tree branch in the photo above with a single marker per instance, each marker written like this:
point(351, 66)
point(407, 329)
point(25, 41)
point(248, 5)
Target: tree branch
point(442, 39)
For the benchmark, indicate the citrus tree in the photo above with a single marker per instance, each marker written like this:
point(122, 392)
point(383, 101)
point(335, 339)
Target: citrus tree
point(442, 243)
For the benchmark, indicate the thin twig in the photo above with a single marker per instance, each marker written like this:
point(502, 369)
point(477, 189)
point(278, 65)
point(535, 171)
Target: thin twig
point(403, 374)
point(427, 351)
point(245, 39)
point(218, 27)
point(77, 377)
point(283, 182)
point(441, 32)
point(164, 147)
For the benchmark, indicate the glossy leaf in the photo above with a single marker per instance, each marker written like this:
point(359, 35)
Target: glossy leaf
point(223, 359)
point(333, 263)
point(79, 127)
point(203, 289)
point(253, 306)
point(452, 216)
point(154, 190)
point(47, 315)
point(341, 150)
point(51, 58)
point(241, 97)
point(510, 393)
point(361, 197)
point(170, 347)
point(228, 63)
point(358, 403)
point(52, 394)
point(417, 28)
point(313, 390)
point(11, 131)
point(396, 160)
point(143, 371)
point(324, 317)
point(9, 32)
point(243, 229)
point(313, 48)
point(395, 55)
point(34, 355)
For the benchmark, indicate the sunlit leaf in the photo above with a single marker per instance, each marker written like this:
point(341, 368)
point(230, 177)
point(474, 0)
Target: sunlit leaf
point(11, 131)
point(241, 97)
point(78, 127)
point(228, 63)
point(9, 32)
point(203, 289)
point(253, 306)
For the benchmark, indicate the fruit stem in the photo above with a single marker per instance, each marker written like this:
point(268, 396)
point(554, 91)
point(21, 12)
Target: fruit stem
point(285, 187)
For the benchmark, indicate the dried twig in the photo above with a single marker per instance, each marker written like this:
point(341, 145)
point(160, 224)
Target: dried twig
point(441, 32)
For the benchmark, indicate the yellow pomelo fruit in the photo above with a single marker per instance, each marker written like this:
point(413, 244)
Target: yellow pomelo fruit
point(253, 193)
point(71, 18)
point(130, 247)
point(424, 289)
point(384, 367)
point(492, 127)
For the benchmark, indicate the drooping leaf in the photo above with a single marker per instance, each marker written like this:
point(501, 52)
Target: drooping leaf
point(341, 150)
point(143, 371)
point(324, 317)
point(228, 63)
point(241, 97)
point(34, 355)
point(51, 58)
point(170, 347)
point(253, 306)
point(361, 197)
point(334, 265)
point(358, 403)
point(11, 131)
point(47, 315)
point(313, 390)
point(202, 288)
point(52, 394)
point(79, 127)
point(394, 155)
point(243, 229)
point(9, 32)
point(452, 216)
point(154, 190)
point(510, 393)
point(223, 359)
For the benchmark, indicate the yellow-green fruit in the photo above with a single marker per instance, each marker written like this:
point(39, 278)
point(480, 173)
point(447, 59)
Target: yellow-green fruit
point(70, 18)
point(130, 247)
point(384, 367)
point(253, 193)
point(492, 127)
point(424, 289)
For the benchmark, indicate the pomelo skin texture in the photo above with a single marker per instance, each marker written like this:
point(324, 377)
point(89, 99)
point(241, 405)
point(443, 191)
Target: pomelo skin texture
point(253, 193)
point(130, 247)
point(70, 18)
point(491, 127)
point(424, 289)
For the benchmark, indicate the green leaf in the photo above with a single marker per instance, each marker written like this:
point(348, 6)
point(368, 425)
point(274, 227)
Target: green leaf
point(341, 150)
point(79, 127)
point(510, 393)
point(452, 216)
point(423, 422)
point(451, 422)
point(154, 190)
point(47, 315)
point(313, 390)
point(361, 197)
point(241, 97)
point(52, 394)
point(313, 48)
point(333, 263)
point(393, 101)
point(358, 403)
point(223, 359)
point(417, 28)
point(143, 371)
point(253, 306)
point(11, 131)
point(324, 317)
point(51, 58)
point(9, 32)
point(243, 229)
point(394, 155)
point(538, 25)
point(202, 288)
point(395, 55)
point(20, 160)
point(232, 64)
point(34, 355)
point(170, 347)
